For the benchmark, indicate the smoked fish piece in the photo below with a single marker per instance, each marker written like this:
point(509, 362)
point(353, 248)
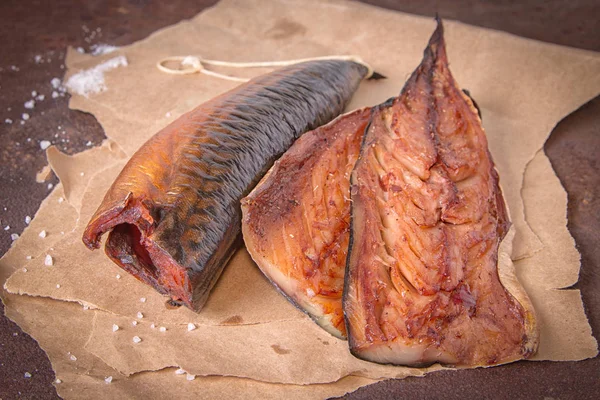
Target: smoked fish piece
point(173, 212)
point(296, 220)
point(422, 284)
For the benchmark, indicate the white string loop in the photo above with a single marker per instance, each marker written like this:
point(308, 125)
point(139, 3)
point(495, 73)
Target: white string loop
point(196, 64)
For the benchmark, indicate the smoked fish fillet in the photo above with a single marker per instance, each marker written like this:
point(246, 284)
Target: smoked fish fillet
point(296, 222)
point(173, 212)
point(422, 283)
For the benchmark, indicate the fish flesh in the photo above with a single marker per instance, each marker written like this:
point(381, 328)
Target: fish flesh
point(422, 284)
point(173, 212)
point(296, 221)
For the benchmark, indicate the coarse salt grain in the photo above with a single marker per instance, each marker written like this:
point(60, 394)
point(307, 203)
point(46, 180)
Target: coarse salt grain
point(115, 327)
point(33, 93)
point(55, 94)
point(91, 80)
point(190, 377)
point(162, 329)
point(191, 327)
point(118, 276)
point(24, 116)
point(7, 227)
point(24, 269)
point(73, 358)
point(8, 121)
point(60, 200)
point(82, 173)
point(14, 236)
point(85, 308)
point(168, 114)
point(27, 219)
point(27, 375)
point(55, 82)
point(50, 186)
point(140, 315)
point(134, 323)
point(108, 379)
point(142, 299)
point(44, 144)
point(152, 326)
point(42, 234)
point(179, 372)
point(58, 381)
point(48, 261)
point(29, 104)
point(29, 257)
point(136, 339)
point(40, 97)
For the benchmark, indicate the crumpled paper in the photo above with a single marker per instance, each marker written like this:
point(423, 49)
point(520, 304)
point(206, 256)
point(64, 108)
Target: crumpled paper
point(523, 88)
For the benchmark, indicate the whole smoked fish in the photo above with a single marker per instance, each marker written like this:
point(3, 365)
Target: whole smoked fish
point(422, 283)
point(173, 212)
point(296, 222)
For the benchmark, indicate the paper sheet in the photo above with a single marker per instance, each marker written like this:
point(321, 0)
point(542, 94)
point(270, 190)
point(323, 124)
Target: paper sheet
point(523, 87)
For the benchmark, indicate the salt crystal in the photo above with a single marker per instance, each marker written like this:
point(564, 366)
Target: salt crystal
point(91, 80)
point(33, 93)
point(29, 257)
point(37, 59)
point(73, 358)
point(190, 377)
point(100, 49)
point(48, 261)
point(85, 308)
point(40, 97)
point(134, 323)
point(27, 219)
point(58, 286)
point(80, 50)
point(136, 339)
point(22, 122)
point(191, 327)
point(58, 381)
point(44, 144)
point(55, 82)
point(142, 299)
point(24, 269)
point(29, 104)
point(140, 315)
point(89, 143)
point(118, 276)
point(115, 327)
point(152, 326)
point(162, 329)
point(179, 372)
point(8, 121)
point(42, 234)
point(7, 227)
point(55, 94)
point(168, 114)
point(60, 200)
point(81, 173)
point(14, 237)
point(24, 116)
point(27, 375)
point(50, 186)
point(108, 379)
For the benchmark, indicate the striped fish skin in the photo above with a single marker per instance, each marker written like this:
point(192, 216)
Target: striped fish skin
point(173, 212)
point(296, 220)
point(422, 284)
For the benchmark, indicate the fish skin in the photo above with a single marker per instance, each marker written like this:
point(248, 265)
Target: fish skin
point(421, 281)
point(174, 212)
point(296, 220)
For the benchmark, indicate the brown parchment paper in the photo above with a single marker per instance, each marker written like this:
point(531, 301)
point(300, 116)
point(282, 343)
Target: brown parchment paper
point(523, 87)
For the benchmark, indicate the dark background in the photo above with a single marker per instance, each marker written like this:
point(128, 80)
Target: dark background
point(46, 28)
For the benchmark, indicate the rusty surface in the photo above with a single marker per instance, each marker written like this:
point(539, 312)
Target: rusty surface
point(30, 28)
